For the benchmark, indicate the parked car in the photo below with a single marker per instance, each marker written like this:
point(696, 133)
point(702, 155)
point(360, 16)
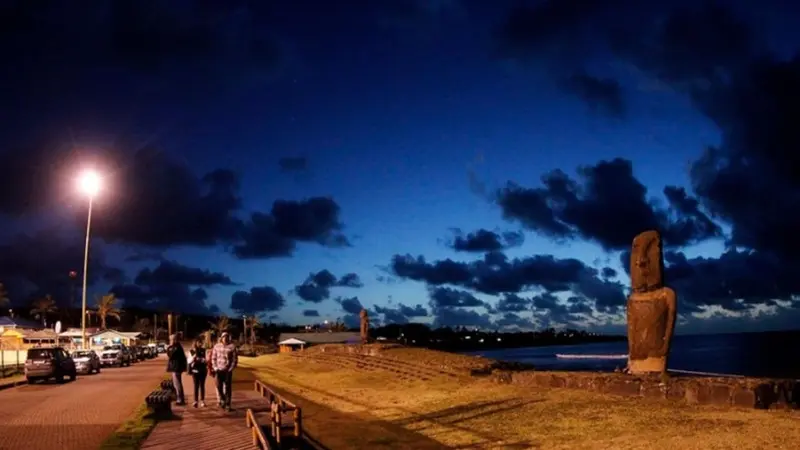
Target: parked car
point(86, 361)
point(141, 354)
point(115, 355)
point(150, 351)
point(49, 362)
point(162, 348)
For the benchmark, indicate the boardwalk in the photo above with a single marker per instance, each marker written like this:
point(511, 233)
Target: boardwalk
point(76, 415)
point(210, 427)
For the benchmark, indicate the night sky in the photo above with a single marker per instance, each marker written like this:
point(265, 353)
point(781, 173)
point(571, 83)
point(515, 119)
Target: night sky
point(450, 162)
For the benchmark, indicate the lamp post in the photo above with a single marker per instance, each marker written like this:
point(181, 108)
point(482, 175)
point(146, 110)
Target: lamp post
point(89, 184)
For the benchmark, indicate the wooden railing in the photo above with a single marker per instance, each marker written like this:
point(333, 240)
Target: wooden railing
point(278, 411)
point(259, 439)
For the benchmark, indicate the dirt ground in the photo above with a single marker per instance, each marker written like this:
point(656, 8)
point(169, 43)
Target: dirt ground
point(411, 399)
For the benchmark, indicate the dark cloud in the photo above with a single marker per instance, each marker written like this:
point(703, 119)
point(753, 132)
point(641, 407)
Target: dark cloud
point(144, 256)
point(171, 286)
point(496, 274)
point(603, 95)
point(444, 297)
point(317, 287)
point(449, 317)
point(293, 164)
point(183, 46)
point(513, 303)
point(258, 300)
point(401, 314)
point(609, 206)
point(352, 308)
point(153, 199)
point(310, 313)
point(315, 220)
point(749, 181)
point(33, 265)
point(485, 241)
point(171, 272)
point(350, 305)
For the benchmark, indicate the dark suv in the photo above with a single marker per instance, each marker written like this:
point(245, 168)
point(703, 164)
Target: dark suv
point(49, 362)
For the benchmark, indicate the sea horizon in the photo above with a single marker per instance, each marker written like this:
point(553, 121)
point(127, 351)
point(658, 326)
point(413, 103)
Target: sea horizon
point(751, 354)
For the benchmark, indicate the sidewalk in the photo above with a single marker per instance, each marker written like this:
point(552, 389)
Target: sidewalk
point(209, 428)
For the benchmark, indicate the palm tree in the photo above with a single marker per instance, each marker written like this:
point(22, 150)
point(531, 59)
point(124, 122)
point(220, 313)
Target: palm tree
point(253, 322)
point(4, 301)
point(144, 326)
point(106, 307)
point(207, 338)
point(44, 306)
point(222, 324)
point(338, 326)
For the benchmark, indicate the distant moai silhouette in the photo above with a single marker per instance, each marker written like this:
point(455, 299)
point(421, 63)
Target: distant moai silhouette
point(652, 307)
point(364, 326)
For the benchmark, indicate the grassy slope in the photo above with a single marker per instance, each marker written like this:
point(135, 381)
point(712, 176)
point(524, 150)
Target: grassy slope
point(374, 410)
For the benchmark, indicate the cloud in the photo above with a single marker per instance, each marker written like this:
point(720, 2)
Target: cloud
point(608, 206)
point(292, 164)
point(258, 300)
point(220, 46)
point(603, 95)
point(485, 241)
point(171, 286)
point(317, 286)
point(747, 182)
point(352, 308)
point(169, 272)
point(496, 274)
point(310, 313)
point(314, 220)
point(33, 265)
point(401, 314)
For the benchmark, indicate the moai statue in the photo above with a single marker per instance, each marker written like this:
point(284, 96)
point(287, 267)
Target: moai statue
point(364, 326)
point(652, 307)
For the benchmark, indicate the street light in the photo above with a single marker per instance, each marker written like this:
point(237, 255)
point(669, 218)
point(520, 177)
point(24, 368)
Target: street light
point(89, 184)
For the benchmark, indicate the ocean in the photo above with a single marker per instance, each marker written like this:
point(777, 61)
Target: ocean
point(774, 354)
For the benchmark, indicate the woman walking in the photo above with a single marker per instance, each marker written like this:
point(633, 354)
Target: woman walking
point(198, 367)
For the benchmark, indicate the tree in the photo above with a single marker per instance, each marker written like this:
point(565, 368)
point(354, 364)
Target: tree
point(338, 326)
point(43, 307)
point(222, 324)
point(144, 326)
point(106, 307)
point(252, 323)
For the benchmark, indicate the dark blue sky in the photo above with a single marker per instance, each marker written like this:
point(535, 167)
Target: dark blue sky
point(387, 125)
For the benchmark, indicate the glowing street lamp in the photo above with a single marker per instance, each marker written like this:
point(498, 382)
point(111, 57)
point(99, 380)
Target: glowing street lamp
point(89, 184)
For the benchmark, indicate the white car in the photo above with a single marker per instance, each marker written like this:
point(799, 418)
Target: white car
point(114, 355)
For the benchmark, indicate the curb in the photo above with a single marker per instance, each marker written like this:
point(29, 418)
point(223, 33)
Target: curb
point(13, 384)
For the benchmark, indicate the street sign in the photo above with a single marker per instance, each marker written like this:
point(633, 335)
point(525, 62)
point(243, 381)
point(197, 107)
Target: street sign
point(58, 327)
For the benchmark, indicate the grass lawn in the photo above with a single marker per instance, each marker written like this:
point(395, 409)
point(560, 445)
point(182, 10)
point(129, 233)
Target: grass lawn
point(347, 408)
point(133, 432)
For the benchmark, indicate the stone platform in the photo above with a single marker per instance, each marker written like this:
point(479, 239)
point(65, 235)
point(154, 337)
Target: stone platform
point(736, 392)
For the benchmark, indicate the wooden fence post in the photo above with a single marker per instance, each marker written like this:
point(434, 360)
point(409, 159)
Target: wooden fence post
point(298, 422)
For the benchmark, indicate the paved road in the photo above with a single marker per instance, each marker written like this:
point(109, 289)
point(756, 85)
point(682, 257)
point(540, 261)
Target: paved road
point(76, 415)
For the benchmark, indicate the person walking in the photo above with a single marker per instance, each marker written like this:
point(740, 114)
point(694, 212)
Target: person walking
point(226, 358)
point(176, 364)
point(198, 367)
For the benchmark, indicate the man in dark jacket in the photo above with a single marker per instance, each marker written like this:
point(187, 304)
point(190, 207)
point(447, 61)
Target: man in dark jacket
point(176, 364)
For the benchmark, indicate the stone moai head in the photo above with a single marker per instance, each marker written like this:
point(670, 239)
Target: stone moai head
point(364, 314)
point(647, 262)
